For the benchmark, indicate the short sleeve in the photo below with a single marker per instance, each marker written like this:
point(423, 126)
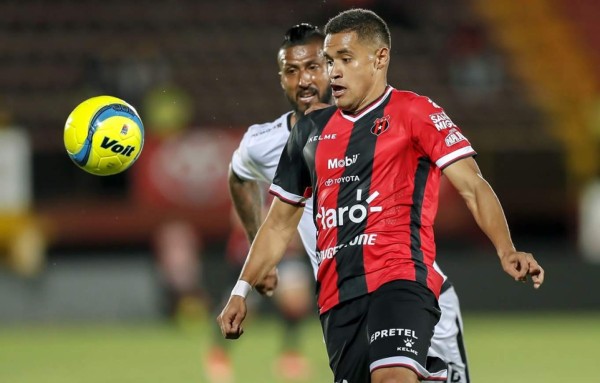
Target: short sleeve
point(292, 178)
point(242, 163)
point(436, 135)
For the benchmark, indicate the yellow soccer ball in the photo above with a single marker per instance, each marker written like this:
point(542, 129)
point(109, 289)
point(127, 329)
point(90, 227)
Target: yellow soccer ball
point(104, 135)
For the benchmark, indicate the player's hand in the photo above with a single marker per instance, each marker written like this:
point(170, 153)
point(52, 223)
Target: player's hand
point(231, 318)
point(268, 284)
point(519, 265)
point(317, 106)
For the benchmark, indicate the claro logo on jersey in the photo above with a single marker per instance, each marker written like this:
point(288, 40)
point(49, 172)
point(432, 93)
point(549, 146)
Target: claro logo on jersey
point(441, 121)
point(356, 213)
point(337, 163)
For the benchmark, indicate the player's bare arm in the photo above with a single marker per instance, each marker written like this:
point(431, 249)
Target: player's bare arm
point(266, 251)
point(247, 201)
point(487, 211)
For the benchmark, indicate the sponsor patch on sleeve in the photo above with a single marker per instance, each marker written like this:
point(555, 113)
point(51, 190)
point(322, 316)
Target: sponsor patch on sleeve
point(441, 121)
point(454, 137)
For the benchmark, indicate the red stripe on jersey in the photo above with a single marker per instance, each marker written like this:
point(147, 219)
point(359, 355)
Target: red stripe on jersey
point(392, 221)
point(327, 240)
point(395, 165)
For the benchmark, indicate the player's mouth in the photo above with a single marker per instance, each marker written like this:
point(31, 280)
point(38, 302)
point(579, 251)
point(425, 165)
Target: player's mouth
point(337, 90)
point(307, 97)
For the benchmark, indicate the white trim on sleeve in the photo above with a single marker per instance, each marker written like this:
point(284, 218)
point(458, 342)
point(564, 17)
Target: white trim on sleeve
point(287, 196)
point(449, 158)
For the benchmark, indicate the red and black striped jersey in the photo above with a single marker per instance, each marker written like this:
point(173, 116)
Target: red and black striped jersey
point(375, 177)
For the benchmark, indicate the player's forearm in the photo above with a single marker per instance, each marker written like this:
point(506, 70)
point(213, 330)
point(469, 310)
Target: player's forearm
point(271, 241)
point(267, 250)
point(247, 201)
point(488, 214)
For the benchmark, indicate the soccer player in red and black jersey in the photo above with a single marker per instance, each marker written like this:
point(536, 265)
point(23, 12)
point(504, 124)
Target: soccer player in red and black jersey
point(373, 163)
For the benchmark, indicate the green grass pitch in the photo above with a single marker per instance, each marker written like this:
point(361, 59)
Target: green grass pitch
point(516, 348)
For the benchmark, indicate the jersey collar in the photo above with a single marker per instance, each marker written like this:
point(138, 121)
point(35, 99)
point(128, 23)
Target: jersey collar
point(372, 106)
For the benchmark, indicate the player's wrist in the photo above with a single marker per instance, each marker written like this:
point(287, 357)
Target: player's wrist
point(241, 288)
point(506, 251)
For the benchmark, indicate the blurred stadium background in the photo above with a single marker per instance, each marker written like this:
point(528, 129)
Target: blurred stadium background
point(82, 294)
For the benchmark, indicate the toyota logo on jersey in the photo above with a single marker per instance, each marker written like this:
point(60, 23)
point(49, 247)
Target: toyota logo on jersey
point(380, 125)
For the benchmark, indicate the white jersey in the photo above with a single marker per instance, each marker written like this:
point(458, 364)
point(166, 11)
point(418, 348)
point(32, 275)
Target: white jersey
point(256, 159)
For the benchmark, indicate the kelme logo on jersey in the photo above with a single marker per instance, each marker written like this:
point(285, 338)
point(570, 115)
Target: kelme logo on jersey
point(337, 163)
point(356, 213)
point(114, 147)
point(323, 137)
point(380, 125)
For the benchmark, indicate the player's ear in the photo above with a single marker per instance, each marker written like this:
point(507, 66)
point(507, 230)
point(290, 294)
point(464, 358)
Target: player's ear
point(382, 57)
point(281, 80)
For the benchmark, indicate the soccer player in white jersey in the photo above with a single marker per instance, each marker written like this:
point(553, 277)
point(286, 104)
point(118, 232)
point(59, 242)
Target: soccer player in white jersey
point(305, 82)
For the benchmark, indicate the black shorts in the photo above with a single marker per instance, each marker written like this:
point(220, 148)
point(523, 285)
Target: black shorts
point(391, 327)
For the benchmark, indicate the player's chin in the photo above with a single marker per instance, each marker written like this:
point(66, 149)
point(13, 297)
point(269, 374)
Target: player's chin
point(345, 106)
point(303, 107)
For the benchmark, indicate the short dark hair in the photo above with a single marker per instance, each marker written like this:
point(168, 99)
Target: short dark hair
point(301, 34)
point(367, 25)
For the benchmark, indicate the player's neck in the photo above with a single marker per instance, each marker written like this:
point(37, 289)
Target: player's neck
point(373, 95)
point(293, 119)
point(368, 101)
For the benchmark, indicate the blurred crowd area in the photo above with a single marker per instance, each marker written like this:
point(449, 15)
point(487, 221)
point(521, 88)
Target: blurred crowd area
point(522, 84)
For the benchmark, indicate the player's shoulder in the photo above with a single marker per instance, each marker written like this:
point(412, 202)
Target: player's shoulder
point(265, 128)
point(318, 116)
point(311, 123)
point(414, 102)
point(258, 134)
point(422, 111)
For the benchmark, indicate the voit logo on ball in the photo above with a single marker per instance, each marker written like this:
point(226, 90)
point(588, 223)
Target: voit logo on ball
point(115, 147)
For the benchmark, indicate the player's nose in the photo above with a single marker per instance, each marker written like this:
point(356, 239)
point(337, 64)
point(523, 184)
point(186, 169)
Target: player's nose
point(305, 79)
